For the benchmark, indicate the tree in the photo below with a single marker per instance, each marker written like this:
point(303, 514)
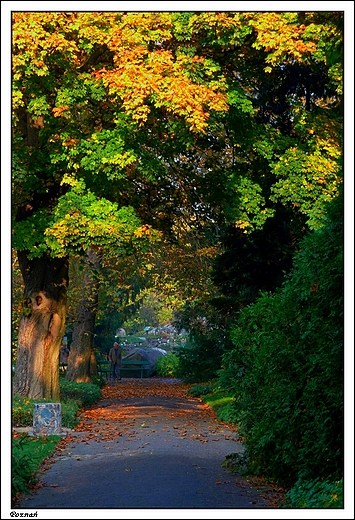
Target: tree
point(282, 146)
point(254, 262)
point(82, 361)
point(104, 290)
point(290, 168)
point(41, 330)
point(123, 121)
point(74, 114)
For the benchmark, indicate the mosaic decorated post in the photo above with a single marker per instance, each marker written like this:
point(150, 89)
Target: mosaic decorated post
point(47, 419)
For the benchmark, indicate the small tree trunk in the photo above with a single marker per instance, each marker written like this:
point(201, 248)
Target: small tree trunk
point(82, 362)
point(42, 328)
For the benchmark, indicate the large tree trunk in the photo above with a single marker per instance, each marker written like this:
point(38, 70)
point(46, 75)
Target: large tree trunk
point(42, 328)
point(82, 362)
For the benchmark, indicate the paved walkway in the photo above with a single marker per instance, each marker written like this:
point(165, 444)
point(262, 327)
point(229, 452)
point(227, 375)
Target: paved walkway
point(141, 451)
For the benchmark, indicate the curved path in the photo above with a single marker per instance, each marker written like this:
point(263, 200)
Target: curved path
point(145, 444)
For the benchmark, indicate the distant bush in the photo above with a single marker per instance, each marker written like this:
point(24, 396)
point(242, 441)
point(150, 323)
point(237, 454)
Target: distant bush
point(200, 356)
point(167, 366)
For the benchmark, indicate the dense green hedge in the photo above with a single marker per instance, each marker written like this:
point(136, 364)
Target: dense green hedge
point(315, 494)
point(286, 367)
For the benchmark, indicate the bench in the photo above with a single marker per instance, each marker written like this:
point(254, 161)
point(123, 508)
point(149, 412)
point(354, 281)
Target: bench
point(104, 367)
point(132, 364)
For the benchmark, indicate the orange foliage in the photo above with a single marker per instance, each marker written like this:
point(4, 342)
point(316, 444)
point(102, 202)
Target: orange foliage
point(144, 71)
point(280, 37)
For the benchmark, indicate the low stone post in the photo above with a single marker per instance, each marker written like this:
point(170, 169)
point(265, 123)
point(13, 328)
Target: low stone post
point(47, 419)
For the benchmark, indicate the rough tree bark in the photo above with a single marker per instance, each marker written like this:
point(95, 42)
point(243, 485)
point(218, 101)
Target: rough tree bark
point(82, 362)
point(42, 328)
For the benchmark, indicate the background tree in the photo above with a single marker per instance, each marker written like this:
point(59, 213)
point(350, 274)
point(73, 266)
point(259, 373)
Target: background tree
point(82, 361)
point(105, 289)
point(282, 151)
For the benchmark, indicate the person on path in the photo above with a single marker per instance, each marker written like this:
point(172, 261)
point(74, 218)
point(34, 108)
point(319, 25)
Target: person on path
point(63, 358)
point(115, 358)
point(64, 354)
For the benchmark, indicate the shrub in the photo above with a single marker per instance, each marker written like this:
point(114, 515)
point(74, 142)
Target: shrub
point(237, 463)
point(167, 366)
point(201, 389)
point(223, 406)
point(73, 397)
point(70, 413)
point(22, 467)
point(316, 493)
point(22, 411)
point(216, 398)
point(84, 393)
point(98, 380)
